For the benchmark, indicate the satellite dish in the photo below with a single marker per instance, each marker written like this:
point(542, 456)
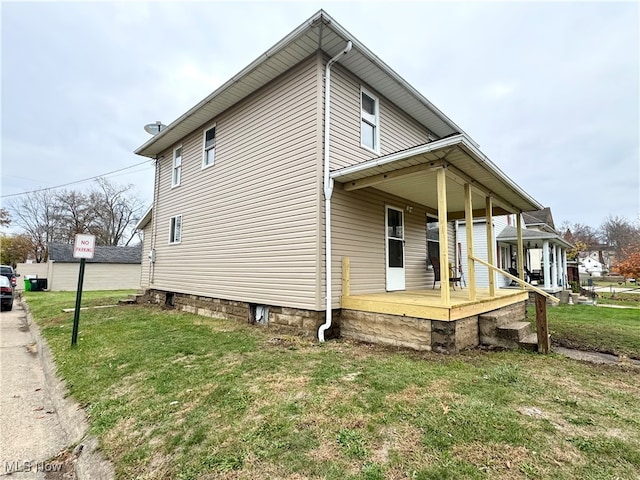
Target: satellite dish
point(154, 128)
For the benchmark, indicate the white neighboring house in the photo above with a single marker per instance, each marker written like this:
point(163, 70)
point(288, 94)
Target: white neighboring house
point(591, 267)
point(550, 271)
point(502, 252)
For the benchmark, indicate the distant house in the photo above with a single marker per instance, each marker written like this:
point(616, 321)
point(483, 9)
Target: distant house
point(112, 268)
point(590, 266)
point(318, 191)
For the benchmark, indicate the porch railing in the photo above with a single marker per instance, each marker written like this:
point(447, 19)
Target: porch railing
point(542, 326)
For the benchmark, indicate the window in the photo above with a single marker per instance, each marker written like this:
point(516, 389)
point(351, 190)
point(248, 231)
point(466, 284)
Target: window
point(177, 167)
point(433, 238)
point(175, 229)
point(369, 124)
point(209, 155)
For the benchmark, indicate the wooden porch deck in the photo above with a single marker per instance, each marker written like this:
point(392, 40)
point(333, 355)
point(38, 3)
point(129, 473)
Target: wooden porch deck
point(426, 303)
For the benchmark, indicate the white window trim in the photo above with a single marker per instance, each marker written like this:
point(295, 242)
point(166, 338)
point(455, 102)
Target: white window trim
point(172, 229)
point(175, 183)
point(204, 150)
point(376, 138)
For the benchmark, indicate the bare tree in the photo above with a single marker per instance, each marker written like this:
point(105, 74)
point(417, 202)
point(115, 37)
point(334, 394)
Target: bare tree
point(115, 213)
point(109, 211)
point(619, 233)
point(577, 232)
point(5, 218)
point(37, 214)
point(75, 215)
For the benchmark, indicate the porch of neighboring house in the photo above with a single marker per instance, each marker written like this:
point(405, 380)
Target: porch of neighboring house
point(452, 180)
point(545, 256)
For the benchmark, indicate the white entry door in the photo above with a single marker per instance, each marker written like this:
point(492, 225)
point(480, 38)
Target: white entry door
point(395, 248)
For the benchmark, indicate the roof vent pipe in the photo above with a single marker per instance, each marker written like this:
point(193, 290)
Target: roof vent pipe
point(328, 188)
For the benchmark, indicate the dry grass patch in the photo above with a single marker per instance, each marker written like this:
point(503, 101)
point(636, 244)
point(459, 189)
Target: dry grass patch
point(497, 460)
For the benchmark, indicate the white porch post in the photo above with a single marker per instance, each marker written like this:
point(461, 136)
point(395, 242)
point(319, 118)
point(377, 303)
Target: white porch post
point(565, 275)
point(554, 268)
point(490, 245)
point(468, 218)
point(546, 264)
point(445, 296)
point(520, 257)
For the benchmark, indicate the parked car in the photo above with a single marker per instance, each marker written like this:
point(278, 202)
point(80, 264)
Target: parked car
point(6, 294)
point(7, 271)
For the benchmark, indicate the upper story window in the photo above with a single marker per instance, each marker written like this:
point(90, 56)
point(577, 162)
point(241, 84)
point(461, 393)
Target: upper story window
point(209, 154)
point(175, 229)
point(177, 167)
point(369, 121)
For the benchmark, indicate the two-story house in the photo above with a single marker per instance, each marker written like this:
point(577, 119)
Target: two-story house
point(301, 194)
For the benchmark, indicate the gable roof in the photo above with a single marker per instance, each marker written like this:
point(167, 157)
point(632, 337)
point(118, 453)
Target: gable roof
point(540, 217)
point(63, 253)
point(320, 32)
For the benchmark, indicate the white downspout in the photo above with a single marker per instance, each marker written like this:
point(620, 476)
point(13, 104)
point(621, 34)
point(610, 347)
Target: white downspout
point(328, 189)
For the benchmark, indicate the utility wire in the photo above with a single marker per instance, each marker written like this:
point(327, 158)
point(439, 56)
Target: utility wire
point(73, 183)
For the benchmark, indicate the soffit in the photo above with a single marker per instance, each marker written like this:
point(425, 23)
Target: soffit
point(463, 164)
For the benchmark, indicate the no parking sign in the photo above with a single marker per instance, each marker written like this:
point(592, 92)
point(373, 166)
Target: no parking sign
point(83, 248)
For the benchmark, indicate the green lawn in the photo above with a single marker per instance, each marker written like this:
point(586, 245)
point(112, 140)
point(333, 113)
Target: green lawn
point(176, 396)
point(603, 329)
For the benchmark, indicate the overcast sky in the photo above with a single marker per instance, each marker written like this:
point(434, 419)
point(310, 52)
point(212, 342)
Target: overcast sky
point(549, 90)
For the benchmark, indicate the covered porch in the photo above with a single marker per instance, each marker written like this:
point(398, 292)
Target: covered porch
point(449, 179)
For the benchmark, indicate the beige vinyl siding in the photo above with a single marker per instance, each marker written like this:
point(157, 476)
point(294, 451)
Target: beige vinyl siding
point(145, 275)
point(398, 131)
point(358, 220)
point(250, 222)
point(97, 276)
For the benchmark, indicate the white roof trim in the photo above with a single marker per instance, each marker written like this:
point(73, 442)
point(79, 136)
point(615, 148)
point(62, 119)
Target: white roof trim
point(146, 218)
point(363, 169)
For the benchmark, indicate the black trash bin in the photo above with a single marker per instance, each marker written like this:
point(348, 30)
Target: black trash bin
point(38, 284)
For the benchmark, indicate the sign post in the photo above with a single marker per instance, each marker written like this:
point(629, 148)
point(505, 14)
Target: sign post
point(83, 248)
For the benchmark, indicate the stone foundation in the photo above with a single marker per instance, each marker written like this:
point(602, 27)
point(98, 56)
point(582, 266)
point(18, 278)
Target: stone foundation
point(378, 328)
point(386, 329)
point(290, 320)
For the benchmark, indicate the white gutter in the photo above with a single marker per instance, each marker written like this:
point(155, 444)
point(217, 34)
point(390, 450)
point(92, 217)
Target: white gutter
point(328, 189)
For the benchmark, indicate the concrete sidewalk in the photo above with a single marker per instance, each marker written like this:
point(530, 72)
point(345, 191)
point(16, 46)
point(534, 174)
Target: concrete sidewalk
point(42, 433)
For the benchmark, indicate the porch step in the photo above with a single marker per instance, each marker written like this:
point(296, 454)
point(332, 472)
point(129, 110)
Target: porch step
point(530, 342)
point(131, 299)
point(515, 331)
